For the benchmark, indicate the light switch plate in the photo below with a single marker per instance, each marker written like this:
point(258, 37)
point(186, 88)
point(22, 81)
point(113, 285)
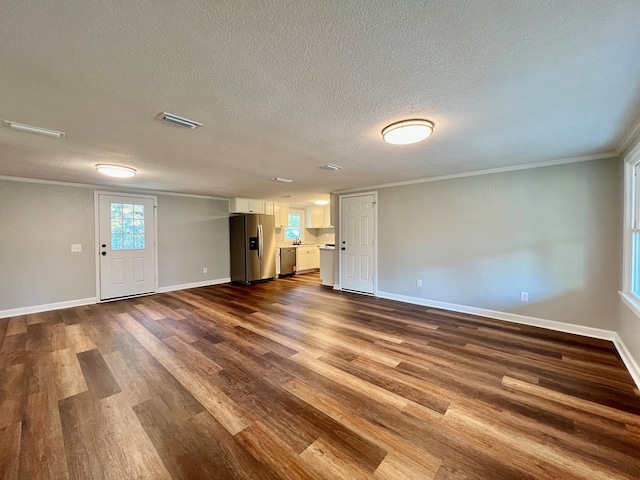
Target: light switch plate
point(76, 247)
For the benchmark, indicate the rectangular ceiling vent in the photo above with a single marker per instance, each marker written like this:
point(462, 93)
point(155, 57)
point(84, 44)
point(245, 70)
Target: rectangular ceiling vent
point(332, 166)
point(180, 121)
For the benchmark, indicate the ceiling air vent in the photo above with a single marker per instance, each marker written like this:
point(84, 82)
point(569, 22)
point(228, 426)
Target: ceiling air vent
point(332, 166)
point(180, 121)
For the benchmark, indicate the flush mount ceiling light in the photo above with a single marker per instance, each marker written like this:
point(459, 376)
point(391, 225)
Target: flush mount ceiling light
point(117, 171)
point(280, 179)
point(407, 131)
point(180, 121)
point(332, 166)
point(30, 129)
point(321, 202)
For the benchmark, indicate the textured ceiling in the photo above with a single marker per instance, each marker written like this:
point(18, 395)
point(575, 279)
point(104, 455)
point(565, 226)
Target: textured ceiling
point(283, 87)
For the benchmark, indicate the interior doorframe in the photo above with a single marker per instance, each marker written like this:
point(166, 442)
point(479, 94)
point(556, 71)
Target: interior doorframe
point(96, 242)
point(375, 238)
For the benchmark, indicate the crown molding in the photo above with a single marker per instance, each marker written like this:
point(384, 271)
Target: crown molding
point(628, 138)
point(513, 168)
point(107, 187)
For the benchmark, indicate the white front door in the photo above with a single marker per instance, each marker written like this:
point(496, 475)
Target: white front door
point(126, 236)
point(357, 245)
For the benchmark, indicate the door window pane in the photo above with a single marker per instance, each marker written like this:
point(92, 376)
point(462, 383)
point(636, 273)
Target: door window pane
point(127, 226)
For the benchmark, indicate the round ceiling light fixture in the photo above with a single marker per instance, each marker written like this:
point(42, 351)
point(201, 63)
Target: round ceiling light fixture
point(117, 171)
point(407, 131)
point(321, 202)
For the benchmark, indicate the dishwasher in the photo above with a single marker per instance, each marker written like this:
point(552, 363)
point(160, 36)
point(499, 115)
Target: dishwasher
point(287, 261)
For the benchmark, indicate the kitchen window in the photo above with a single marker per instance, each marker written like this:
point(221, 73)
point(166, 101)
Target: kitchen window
point(294, 229)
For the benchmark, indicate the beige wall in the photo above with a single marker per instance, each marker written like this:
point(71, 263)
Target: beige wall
point(554, 232)
point(39, 223)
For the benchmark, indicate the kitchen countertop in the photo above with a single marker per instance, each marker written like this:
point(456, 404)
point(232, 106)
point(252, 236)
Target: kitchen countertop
point(303, 245)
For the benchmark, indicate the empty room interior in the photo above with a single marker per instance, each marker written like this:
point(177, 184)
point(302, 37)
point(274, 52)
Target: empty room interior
point(320, 240)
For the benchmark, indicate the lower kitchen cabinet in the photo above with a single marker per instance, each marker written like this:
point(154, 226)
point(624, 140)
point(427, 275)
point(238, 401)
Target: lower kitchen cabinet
point(307, 258)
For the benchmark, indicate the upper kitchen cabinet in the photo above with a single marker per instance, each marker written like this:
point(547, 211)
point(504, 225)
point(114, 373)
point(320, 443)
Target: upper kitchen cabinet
point(281, 212)
point(319, 217)
point(246, 205)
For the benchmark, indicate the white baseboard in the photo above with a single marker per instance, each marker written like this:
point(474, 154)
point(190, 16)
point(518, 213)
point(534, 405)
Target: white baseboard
point(184, 286)
point(600, 333)
point(47, 307)
point(509, 317)
point(627, 358)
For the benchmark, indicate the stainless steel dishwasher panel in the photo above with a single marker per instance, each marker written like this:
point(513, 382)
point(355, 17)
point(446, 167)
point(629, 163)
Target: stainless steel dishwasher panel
point(287, 261)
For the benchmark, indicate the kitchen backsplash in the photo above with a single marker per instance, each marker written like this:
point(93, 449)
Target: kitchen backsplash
point(311, 236)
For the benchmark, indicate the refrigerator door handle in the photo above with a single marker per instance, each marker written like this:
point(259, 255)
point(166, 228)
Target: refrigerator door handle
point(260, 241)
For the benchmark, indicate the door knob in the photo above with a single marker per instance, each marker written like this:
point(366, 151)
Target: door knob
point(343, 248)
point(104, 253)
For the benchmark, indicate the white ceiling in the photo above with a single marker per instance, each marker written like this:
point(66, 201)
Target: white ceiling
point(283, 87)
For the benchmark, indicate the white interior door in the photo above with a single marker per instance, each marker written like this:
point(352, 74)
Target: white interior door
point(358, 244)
point(126, 235)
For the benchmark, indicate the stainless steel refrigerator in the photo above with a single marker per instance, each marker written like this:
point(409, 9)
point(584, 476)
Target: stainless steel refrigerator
point(253, 248)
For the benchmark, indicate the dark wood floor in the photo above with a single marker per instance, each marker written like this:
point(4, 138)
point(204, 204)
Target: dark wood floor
point(292, 380)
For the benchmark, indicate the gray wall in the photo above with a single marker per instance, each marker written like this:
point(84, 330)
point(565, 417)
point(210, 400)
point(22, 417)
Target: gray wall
point(193, 233)
point(40, 222)
point(629, 331)
point(554, 232)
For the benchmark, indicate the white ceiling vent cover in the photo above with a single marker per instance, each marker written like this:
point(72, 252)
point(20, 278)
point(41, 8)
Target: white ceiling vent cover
point(180, 121)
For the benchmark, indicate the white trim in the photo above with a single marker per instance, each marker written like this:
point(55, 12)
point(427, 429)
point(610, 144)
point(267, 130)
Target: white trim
point(631, 301)
point(47, 307)
point(627, 359)
point(508, 317)
point(375, 238)
point(96, 240)
point(336, 286)
point(184, 286)
point(631, 162)
point(631, 134)
point(131, 190)
point(513, 168)
point(627, 224)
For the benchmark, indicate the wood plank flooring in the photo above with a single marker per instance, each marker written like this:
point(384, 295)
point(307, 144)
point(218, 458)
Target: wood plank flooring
point(289, 379)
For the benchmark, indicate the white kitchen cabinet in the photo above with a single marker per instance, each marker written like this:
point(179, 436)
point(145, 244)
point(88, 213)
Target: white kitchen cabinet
point(307, 258)
point(268, 208)
point(281, 212)
point(246, 205)
point(326, 266)
point(318, 216)
point(327, 216)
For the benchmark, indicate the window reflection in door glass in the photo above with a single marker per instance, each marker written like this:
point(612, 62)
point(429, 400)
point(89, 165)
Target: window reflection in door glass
point(127, 226)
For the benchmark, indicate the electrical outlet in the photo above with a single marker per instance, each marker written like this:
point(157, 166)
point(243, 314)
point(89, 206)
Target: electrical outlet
point(418, 283)
point(76, 247)
point(524, 296)
point(205, 270)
